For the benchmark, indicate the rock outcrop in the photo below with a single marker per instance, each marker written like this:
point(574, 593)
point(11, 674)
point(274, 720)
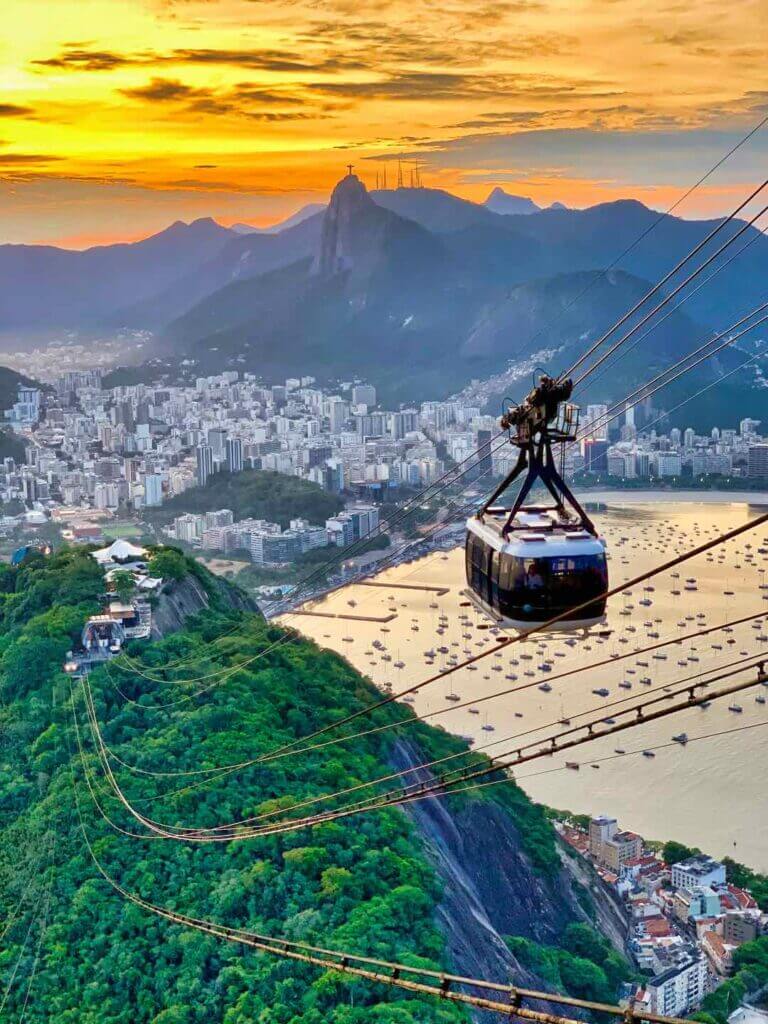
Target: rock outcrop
point(490, 888)
point(189, 596)
point(364, 240)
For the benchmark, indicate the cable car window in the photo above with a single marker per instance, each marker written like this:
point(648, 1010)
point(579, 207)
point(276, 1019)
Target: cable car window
point(535, 588)
point(477, 566)
point(494, 577)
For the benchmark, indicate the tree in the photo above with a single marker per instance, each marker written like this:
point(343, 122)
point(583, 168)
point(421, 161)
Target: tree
point(168, 564)
point(123, 585)
point(674, 852)
point(584, 941)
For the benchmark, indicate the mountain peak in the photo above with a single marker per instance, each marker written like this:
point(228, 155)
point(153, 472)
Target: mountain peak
point(350, 191)
point(350, 203)
point(505, 203)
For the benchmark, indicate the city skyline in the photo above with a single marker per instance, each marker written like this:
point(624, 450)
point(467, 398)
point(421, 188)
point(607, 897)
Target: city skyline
point(246, 111)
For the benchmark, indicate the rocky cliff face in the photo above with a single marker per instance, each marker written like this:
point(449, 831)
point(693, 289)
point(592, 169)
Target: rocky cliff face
point(190, 597)
point(364, 239)
point(490, 888)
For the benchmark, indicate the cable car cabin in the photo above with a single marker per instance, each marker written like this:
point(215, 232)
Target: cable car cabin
point(546, 566)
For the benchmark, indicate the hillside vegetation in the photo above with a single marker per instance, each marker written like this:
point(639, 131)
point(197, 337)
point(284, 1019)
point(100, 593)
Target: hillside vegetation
point(750, 976)
point(9, 386)
point(257, 494)
point(362, 884)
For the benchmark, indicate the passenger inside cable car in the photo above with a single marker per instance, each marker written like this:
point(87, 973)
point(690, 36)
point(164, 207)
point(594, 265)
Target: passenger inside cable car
point(532, 590)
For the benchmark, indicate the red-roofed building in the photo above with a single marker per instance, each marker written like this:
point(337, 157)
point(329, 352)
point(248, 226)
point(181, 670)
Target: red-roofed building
point(657, 927)
point(719, 953)
point(744, 899)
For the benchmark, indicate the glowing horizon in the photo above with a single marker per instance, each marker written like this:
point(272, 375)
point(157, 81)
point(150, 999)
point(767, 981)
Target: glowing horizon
point(118, 117)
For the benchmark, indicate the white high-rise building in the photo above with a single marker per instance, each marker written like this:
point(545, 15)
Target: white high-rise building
point(680, 989)
point(601, 829)
point(153, 490)
point(595, 423)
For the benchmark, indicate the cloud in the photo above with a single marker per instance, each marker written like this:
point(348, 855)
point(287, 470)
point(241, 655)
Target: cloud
point(74, 58)
point(243, 100)
point(642, 156)
point(27, 158)
point(161, 90)
point(264, 60)
point(15, 110)
point(81, 58)
point(432, 85)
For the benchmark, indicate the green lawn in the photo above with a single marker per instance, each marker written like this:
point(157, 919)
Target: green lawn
point(121, 530)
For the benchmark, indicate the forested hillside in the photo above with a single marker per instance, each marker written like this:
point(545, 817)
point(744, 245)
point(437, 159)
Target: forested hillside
point(363, 885)
point(255, 493)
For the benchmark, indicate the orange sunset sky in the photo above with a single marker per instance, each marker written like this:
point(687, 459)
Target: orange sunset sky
point(120, 116)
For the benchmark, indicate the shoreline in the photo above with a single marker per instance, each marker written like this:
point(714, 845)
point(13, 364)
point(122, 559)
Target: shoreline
point(625, 496)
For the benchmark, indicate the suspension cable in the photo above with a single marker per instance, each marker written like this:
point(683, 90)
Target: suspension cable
point(660, 284)
point(723, 266)
point(688, 684)
point(421, 790)
point(668, 298)
point(415, 719)
point(361, 966)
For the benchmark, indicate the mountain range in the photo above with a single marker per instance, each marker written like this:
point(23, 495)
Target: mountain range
point(414, 287)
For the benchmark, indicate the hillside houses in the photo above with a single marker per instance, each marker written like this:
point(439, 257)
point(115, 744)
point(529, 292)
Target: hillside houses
point(683, 920)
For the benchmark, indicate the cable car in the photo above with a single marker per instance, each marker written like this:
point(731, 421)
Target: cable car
point(527, 564)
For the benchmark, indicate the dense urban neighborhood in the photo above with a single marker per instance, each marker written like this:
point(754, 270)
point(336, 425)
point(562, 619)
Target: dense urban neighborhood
point(683, 920)
point(96, 455)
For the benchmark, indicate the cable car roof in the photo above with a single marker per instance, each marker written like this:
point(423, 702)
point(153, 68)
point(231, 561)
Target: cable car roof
point(554, 542)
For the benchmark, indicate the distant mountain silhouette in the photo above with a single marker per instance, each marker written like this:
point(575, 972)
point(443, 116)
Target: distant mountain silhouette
point(295, 218)
point(43, 286)
point(505, 203)
point(362, 238)
point(241, 257)
point(433, 208)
